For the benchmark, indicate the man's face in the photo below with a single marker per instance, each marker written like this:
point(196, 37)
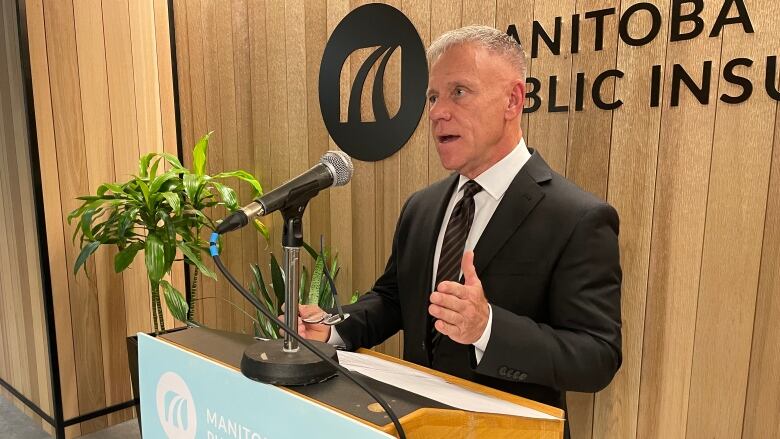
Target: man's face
point(470, 107)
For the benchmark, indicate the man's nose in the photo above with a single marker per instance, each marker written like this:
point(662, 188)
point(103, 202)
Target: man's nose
point(438, 111)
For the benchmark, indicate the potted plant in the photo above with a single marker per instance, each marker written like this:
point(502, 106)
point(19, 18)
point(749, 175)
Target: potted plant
point(159, 211)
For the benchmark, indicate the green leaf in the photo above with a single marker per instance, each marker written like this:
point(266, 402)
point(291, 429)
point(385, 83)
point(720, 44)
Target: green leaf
point(315, 290)
point(126, 221)
point(113, 187)
point(143, 164)
point(145, 190)
point(228, 195)
point(175, 301)
point(261, 284)
point(153, 171)
point(247, 177)
point(159, 180)
point(173, 160)
point(86, 251)
point(89, 205)
point(125, 257)
point(194, 258)
point(86, 222)
point(277, 280)
point(355, 297)
point(262, 228)
point(303, 295)
point(173, 201)
point(327, 299)
point(155, 257)
point(199, 154)
point(191, 185)
point(313, 253)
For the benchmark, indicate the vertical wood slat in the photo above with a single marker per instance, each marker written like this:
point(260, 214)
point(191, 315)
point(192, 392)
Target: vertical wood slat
point(246, 158)
point(44, 121)
point(364, 181)
point(261, 148)
point(632, 172)
point(208, 30)
point(341, 197)
point(69, 137)
point(763, 392)
point(124, 134)
point(13, 330)
point(147, 93)
point(386, 195)
point(589, 138)
point(296, 105)
point(167, 116)
point(316, 30)
point(278, 101)
point(731, 258)
point(685, 149)
point(225, 72)
point(478, 12)
point(100, 158)
point(12, 325)
point(38, 374)
point(205, 307)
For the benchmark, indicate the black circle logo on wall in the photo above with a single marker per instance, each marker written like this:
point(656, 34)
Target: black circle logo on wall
point(387, 29)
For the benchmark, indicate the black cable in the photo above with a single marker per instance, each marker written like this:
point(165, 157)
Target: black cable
point(256, 303)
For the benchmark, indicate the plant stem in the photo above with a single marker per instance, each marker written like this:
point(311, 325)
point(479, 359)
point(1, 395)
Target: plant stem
point(193, 292)
point(159, 311)
point(155, 287)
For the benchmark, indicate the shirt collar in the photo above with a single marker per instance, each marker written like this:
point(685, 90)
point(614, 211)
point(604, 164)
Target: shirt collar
point(496, 179)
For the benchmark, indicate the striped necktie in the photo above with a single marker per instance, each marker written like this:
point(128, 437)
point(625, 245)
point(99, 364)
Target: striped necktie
point(452, 247)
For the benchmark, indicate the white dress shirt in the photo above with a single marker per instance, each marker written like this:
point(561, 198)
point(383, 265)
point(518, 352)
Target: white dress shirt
point(494, 181)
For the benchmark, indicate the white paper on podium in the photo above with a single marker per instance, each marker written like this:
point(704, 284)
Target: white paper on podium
point(433, 387)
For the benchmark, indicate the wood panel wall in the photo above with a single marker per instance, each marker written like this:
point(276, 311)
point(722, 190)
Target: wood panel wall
point(103, 94)
point(697, 186)
point(24, 359)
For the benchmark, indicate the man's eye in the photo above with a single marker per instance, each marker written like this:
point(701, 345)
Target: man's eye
point(431, 99)
point(459, 92)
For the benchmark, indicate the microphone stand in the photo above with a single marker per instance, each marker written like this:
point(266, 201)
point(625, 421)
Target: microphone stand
point(282, 361)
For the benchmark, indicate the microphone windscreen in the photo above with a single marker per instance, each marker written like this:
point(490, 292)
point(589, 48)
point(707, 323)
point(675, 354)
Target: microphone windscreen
point(339, 162)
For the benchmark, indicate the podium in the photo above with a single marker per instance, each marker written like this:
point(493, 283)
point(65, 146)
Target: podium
point(191, 387)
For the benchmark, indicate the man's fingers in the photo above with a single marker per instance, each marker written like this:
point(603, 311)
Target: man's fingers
point(448, 301)
point(445, 314)
point(469, 271)
point(446, 328)
point(306, 311)
point(452, 288)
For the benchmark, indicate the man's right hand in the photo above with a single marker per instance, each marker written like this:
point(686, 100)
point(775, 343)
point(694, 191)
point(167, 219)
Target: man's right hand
point(311, 331)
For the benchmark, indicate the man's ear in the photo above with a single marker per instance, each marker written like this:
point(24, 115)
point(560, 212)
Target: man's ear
point(516, 102)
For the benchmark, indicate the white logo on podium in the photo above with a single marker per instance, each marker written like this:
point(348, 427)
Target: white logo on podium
point(175, 407)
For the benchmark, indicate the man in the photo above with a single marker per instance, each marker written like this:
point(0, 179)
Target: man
point(537, 312)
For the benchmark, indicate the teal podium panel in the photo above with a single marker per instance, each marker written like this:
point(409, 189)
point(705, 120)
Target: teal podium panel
point(187, 396)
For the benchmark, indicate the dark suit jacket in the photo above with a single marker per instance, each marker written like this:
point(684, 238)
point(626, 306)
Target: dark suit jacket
point(549, 264)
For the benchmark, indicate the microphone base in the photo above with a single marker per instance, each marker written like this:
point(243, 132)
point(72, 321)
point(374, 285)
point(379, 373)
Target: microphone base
point(267, 362)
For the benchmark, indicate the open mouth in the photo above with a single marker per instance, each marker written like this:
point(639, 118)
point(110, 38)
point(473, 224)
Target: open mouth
point(448, 138)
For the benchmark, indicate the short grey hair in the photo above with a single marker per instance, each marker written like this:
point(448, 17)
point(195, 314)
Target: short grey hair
point(490, 38)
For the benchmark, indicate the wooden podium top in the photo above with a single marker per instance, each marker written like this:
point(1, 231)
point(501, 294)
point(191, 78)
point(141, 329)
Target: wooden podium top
point(420, 416)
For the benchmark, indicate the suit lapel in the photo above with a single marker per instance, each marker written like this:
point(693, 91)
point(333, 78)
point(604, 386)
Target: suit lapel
point(519, 200)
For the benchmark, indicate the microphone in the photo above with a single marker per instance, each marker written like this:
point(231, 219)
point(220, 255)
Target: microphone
point(335, 169)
